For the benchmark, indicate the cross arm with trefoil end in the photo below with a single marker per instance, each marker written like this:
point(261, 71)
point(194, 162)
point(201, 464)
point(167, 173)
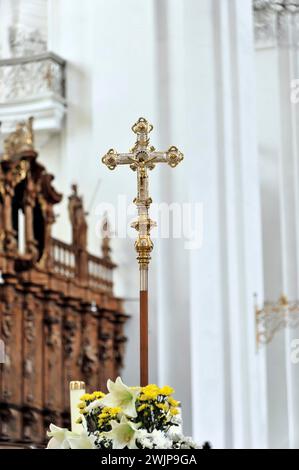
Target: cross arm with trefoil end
point(141, 158)
point(142, 154)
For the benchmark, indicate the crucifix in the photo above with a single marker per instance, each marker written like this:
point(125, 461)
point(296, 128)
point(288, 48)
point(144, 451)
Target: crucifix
point(141, 158)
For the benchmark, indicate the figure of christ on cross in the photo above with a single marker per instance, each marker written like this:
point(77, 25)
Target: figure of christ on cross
point(143, 157)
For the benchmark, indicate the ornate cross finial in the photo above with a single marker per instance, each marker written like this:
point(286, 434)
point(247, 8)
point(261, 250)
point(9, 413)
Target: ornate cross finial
point(141, 158)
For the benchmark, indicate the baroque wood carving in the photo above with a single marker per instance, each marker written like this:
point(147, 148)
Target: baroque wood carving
point(59, 318)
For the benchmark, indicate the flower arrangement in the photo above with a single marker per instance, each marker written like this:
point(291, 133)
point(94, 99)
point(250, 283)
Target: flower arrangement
point(125, 418)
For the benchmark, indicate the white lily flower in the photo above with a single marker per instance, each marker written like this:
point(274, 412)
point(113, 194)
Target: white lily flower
point(123, 434)
point(59, 437)
point(82, 441)
point(120, 396)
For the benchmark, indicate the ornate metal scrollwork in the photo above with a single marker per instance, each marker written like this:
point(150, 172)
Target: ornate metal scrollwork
point(273, 317)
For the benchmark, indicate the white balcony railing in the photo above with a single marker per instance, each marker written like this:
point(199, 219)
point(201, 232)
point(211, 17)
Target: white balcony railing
point(33, 86)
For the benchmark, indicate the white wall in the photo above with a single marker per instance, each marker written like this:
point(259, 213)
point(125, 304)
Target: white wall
point(177, 64)
point(228, 385)
point(278, 150)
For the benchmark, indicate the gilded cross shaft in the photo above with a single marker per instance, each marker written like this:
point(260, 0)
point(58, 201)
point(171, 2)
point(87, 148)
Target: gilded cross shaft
point(143, 157)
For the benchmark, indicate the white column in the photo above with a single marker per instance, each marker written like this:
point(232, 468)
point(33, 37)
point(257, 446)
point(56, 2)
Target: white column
point(228, 396)
point(277, 65)
point(171, 188)
point(206, 96)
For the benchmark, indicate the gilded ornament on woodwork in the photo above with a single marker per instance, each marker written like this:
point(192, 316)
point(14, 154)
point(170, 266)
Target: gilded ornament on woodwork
point(20, 172)
point(19, 141)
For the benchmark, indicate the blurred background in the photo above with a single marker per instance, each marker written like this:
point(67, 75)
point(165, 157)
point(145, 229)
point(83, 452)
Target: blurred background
point(218, 79)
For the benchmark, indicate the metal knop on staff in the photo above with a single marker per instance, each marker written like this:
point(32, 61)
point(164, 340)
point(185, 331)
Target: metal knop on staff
point(141, 158)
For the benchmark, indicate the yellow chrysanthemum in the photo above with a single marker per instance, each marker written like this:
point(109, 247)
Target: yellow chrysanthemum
point(81, 405)
point(150, 392)
point(109, 412)
point(166, 390)
point(85, 397)
point(173, 402)
point(174, 411)
point(97, 395)
point(152, 388)
point(79, 420)
point(162, 406)
point(142, 407)
point(92, 396)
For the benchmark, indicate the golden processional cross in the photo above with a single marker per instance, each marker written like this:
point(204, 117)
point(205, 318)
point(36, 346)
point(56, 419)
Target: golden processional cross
point(141, 158)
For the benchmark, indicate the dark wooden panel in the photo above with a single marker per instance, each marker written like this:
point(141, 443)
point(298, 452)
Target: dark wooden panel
point(59, 318)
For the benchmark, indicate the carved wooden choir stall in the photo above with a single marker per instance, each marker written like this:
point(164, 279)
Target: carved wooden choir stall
point(59, 319)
